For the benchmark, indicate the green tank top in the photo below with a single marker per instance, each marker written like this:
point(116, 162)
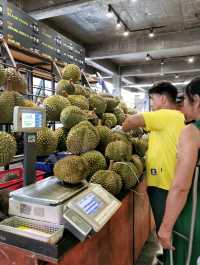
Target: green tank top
point(197, 124)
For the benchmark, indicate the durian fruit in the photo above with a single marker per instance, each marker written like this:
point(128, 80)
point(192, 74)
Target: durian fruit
point(137, 132)
point(54, 106)
point(109, 180)
point(105, 137)
point(119, 115)
point(122, 105)
point(91, 116)
point(46, 142)
point(71, 169)
point(140, 146)
point(138, 163)
point(96, 161)
point(71, 72)
point(132, 111)
point(2, 75)
point(65, 88)
point(98, 104)
point(61, 134)
point(81, 90)
point(15, 81)
point(8, 148)
point(119, 136)
point(118, 151)
point(128, 173)
point(79, 101)
point(110, 120)
point(8, 100)
point(111, 103)
point(82, 137)
point(29, 104)
point(71, 116)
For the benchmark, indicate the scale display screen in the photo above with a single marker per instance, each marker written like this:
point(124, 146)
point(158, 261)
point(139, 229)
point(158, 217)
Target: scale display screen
point(28, 120)
point(90, 204)
point(31, 120)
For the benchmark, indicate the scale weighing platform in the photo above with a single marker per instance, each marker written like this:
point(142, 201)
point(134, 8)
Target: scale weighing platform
point(83, 208)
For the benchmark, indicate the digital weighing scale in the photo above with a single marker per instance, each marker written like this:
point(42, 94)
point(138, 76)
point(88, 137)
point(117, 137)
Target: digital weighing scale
point(83, 209)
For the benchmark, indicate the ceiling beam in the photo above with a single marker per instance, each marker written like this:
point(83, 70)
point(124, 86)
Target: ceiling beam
point(59, 9)
point(108, 68)
point(175, 43)
point(154, 68)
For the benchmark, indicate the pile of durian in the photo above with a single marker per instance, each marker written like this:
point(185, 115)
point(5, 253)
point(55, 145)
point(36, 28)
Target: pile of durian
point(99, 154)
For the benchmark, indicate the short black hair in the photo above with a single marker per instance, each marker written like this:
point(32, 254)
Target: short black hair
point(164, 88)
point(193, 88)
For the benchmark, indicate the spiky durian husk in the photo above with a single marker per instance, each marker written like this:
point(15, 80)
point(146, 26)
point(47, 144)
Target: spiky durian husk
point(29, 104)
point(98, 104)
point(2, 76)
point(105, 137)
point(65, 88)
point(91, 117)
point(137, 161)
point(110, 120)
point(111, 103)
point(79, 101)
point(140, 146)
point(81, 90)
point(118, 151)
point(128, 173)
point(61, 134)
point(71, 72)
point(119, 115)
point(8, 100)
point(8, 148)
point(71, 169)
point(71, 116)
point(15, 81)
point(119, 136)
point(122, 105)
point(82, 137)
point(96, 161)
point(54, 106)
point(109, 180)
point(46, 142)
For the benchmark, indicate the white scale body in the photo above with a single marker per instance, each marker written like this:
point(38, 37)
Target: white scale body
point(82, 208)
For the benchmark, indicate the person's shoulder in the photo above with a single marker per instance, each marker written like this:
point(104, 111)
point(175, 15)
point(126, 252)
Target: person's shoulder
point(190, 133)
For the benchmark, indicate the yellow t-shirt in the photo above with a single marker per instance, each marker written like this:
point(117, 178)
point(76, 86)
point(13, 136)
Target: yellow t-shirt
point(165, 127)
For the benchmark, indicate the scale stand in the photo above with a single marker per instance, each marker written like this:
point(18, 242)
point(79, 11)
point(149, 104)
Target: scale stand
point(29, 121)
point(29, 158)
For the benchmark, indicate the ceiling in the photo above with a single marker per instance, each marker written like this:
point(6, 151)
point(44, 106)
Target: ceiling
point(108, 50)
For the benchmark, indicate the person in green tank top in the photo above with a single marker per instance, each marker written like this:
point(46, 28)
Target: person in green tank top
point(180, 227)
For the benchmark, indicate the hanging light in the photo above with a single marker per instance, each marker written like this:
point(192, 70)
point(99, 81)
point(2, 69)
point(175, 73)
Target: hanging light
point(110, 12)
point(190, 59)
point(118, 25)
point(176, 76)
point(126, 32)
point(151, 33)
point(148, 57)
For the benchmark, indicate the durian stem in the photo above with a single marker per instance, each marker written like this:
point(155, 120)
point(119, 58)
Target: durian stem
point(111, 165)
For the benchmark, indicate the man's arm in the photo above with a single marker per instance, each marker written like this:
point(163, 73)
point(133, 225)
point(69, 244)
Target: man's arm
point(132, 122)
point(177, 197)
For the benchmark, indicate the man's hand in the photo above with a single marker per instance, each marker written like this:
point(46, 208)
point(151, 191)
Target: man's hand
point(132, 122)
point(165, 237)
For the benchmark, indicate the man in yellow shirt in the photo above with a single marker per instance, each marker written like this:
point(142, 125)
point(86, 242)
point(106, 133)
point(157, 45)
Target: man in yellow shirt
point(164, 124)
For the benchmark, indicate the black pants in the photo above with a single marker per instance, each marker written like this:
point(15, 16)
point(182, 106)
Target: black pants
point(157, 198)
